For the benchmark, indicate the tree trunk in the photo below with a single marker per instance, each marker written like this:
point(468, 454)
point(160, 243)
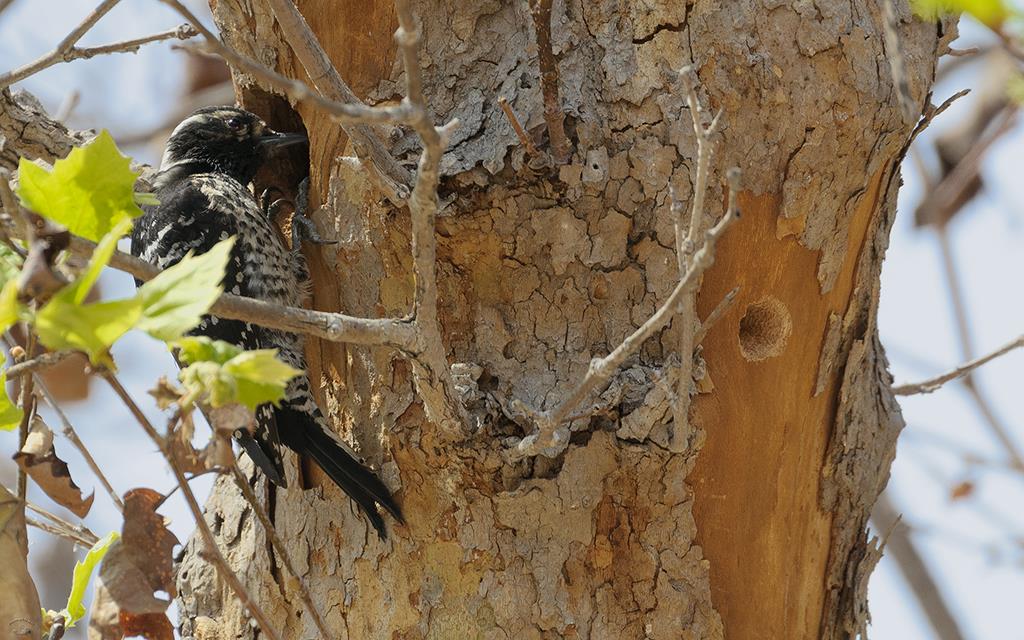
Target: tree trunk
point(748, 523)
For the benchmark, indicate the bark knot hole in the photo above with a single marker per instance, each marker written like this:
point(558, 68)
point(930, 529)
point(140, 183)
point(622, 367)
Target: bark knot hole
point(764, 329)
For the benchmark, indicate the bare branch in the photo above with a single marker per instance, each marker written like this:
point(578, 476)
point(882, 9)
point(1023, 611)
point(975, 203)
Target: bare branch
point(69, 432)
point(335, 327)
point(326, 78)
point(686, 244)
point(430, 368)
point(59, 532)
point(197, 512)
point(38, 363)
point(80, 531)
point(280, 548)
point(932, 384)
point(900, 546)
point(551, 437)
point(66, 51)
point(27, 401)
point(553, 114)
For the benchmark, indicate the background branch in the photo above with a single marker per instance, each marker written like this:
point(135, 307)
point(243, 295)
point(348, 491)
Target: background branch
point(66, 51)
point(932, 384)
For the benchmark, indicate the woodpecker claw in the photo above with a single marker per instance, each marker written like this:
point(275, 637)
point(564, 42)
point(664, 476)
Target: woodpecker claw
point(303, 227)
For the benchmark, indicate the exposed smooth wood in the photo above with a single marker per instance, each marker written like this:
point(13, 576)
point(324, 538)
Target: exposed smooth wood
point(757, 478)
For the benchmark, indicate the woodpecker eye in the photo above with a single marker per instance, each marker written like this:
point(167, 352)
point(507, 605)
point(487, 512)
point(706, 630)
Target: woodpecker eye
point(236, 123)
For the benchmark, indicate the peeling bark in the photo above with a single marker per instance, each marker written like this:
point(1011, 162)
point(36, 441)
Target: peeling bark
point(755, 528)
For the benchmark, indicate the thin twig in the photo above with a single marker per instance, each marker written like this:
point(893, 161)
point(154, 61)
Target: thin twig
point(518, 127)
point(197, 513)
point(932, 384)
point(686, 244)
point(430, 368)
point(551, 438)
point(281, 549)
point(66, 51)
point(79, 530)
point(900, 546)
point(42, 361)
point(60, 532)
point(947, 193)
point(27, 400)
point(69, 432)
point(716, 314)
point(335, 327)
point(997, 428)
point(553, 114)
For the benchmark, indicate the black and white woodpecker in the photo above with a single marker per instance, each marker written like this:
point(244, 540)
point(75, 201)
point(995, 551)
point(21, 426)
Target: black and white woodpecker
point(204, 192)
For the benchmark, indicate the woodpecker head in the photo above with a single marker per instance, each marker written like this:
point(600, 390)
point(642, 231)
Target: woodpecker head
point(224, 140)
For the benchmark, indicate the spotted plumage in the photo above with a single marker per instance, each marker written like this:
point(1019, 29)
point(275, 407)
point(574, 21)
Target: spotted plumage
point(203, 189)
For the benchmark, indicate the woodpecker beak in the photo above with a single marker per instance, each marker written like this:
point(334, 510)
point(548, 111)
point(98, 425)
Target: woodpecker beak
point(272, 140)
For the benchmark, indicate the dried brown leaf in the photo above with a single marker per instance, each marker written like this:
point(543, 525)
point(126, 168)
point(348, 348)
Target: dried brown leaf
point(185, 456)
point(231, 417)
point(154, 626)
point(140, 563)
point(962, 490)
point(165, 393)
point(19, 606)
point(39, 460)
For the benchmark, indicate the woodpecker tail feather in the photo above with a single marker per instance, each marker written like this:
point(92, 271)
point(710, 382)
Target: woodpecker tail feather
point(304, 434)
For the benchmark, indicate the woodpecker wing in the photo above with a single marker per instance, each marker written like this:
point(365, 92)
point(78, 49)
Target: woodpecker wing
point(188, 220)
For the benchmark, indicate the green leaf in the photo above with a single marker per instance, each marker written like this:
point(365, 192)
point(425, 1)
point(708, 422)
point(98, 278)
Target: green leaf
point(100, 258)
point(90, 192)
point(175, 301)
point(224, 374)
point(10, 264)
point(259, 377)
point(991, 13)
point(75, 609)
point(67, 323)
point(9, 306)
point(10, 413)
point(198, 348)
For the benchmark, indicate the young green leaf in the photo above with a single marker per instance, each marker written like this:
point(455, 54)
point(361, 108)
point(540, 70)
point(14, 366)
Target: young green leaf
point(10, 264)
point(259, 377)
point(10, 413)
point(81, 577)
point(92, 328)
point(67, 323)
point(175, 301)
point(198, 348)
point(991, 13)
point(89, 192)
point(224, 374)
point(9, 306)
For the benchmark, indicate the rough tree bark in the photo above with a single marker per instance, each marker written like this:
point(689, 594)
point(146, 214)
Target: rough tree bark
point(750, 523)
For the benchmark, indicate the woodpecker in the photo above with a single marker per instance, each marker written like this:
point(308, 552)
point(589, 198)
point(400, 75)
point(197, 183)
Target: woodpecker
point(204, 193)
